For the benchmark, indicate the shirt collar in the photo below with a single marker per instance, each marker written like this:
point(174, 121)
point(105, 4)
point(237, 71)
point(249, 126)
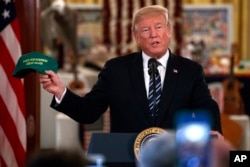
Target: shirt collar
point(163, 60)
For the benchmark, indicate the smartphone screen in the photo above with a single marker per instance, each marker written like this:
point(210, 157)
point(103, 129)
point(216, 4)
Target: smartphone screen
point(193, 139)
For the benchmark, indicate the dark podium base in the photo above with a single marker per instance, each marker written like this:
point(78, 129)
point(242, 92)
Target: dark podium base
point(117, 148)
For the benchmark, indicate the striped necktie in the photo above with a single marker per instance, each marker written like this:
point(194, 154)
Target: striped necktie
point(154, 87)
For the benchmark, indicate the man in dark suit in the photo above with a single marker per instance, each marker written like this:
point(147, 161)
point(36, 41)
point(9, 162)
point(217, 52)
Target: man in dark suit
point(122, 85)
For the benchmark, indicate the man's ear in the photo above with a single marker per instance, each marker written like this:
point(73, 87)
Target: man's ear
point(136, 38)
point(170, 31)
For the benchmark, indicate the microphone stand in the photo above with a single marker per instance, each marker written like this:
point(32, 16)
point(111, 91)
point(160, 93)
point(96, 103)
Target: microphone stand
point(154, 71)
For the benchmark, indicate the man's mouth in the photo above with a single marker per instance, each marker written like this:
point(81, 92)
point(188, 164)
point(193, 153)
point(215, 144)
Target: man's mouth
point(155, 43)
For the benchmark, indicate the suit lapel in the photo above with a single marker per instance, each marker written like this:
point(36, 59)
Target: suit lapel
point(168, 87)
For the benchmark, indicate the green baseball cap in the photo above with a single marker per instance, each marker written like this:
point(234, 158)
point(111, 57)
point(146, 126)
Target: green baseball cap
point(34, 61)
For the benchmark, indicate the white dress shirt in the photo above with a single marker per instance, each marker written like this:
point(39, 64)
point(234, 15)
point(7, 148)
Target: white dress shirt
point(161, 68)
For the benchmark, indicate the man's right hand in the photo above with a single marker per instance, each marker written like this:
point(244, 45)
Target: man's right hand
point(52, 83)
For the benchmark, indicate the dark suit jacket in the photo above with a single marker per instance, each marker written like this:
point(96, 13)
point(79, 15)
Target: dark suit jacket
point(121, 87)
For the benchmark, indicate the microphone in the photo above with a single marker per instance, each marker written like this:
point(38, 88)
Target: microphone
point(152, 65)
point(152, 71)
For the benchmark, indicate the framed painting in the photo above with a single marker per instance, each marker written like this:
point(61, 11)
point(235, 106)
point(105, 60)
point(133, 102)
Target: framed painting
point(207, 36)
point(89, 26)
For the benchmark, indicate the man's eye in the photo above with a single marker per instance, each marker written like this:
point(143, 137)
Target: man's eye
point(159, 27)
point(145, 30)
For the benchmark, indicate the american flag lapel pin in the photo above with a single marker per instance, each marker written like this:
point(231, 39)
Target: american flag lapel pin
point(175, 71)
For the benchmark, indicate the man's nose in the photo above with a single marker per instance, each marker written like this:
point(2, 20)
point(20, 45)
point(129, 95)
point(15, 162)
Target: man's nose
point(153, 32)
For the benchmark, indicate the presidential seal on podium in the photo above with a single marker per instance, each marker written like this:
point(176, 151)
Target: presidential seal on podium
point(145, 137)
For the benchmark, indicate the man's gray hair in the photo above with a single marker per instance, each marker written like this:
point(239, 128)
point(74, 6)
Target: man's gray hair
point(149, 10)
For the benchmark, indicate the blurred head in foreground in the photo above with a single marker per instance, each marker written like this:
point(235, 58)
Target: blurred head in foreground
point(58, 158)
point(159, 152)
